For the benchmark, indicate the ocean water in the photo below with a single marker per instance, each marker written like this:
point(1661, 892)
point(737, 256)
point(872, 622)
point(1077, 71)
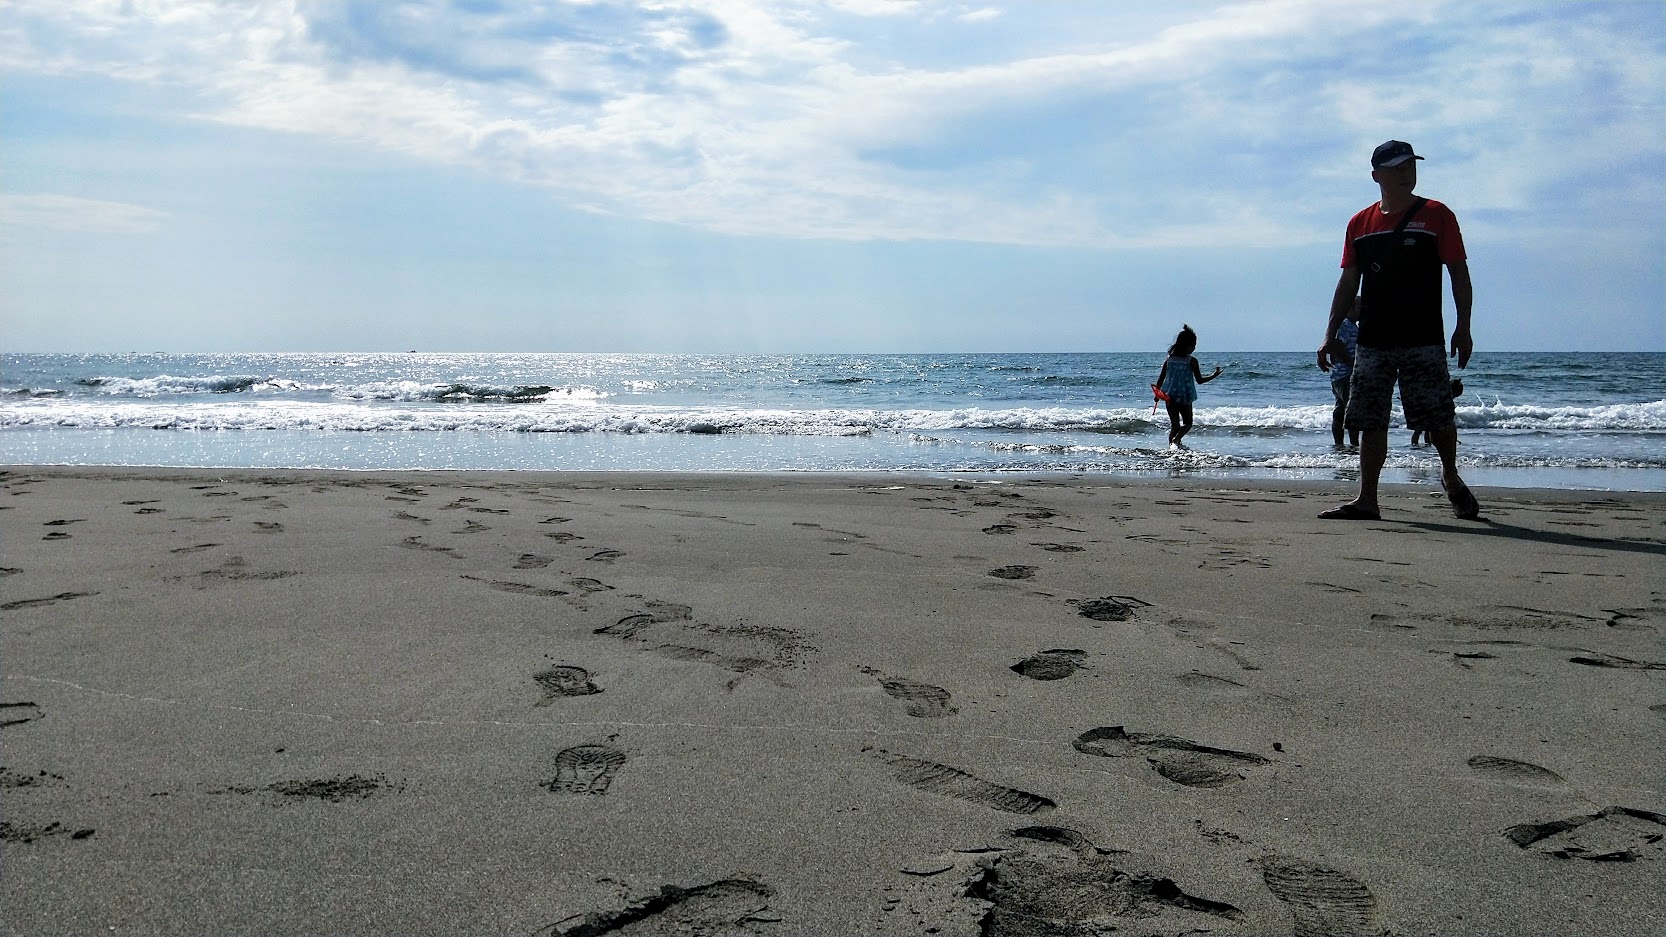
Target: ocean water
point(1568, 420)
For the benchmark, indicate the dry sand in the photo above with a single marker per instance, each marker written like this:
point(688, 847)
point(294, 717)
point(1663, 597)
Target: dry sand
point(556, 704)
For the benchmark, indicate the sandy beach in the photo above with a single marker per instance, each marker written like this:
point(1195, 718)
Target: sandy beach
point(304, 702)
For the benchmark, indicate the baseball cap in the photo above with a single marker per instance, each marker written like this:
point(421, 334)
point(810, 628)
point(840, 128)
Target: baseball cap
point(1392, 153)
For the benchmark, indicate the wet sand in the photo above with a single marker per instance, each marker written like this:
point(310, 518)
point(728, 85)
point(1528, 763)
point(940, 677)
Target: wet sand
point(305, 702)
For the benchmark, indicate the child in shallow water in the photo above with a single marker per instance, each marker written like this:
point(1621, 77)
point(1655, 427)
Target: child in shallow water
point(1178, 381)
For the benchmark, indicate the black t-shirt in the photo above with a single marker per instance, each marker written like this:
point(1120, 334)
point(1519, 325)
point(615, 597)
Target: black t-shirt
point(1401, 298)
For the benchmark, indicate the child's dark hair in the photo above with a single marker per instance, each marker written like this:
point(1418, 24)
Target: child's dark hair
point(1185, 343)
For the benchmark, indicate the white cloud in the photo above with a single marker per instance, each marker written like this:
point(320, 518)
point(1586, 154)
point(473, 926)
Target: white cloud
point(829, 120)
point(70, 213)
point(876, 7)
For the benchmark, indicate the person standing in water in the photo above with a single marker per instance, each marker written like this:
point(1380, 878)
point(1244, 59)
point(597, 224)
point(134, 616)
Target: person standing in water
point(1398, 248)
point(1341, 373)
point(1178, 381)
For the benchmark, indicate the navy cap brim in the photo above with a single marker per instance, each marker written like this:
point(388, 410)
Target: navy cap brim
point(1391, 163)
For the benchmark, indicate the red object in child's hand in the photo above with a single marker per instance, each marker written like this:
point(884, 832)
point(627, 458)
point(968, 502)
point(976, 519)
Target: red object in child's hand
point(1157, 394)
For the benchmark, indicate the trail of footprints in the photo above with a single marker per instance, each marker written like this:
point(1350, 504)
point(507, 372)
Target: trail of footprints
point(1059, 882)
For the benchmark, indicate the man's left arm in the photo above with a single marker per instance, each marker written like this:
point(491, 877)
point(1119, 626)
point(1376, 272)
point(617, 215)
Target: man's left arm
point(1463, 297)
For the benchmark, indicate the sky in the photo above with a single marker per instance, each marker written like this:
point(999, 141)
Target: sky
point(723, 176)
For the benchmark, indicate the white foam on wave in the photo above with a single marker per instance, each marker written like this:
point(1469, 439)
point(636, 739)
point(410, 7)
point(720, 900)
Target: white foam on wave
point(165, 385)
point(578, 408)
point(419, 391)
point(1625, 417)
point(410, 391)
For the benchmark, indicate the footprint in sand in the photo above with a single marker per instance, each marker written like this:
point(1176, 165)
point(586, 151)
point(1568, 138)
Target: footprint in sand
point(1055, 664)
point(16, 714)
point(417, 543)
point(1014, 572)
point(518, 588)
point(585, 769)
point(563, 680)
point(1059, 882)
point(1109, 608)
point(1059, 547)
point(12, 779)
point(745, 666)
point(658, 612)
point(1180, 760)
point(48, 600)
point(720, 907)
point(532, 561)
point(12, 832)
point(336, 789)
point(1614, 662)
point(236, 569)
point(1612, 834)
point(924, 700)
point(1465, 659)
point(271, 527)
point(605, 556)
point(1210, 683)
point(1511, 771)
point(1324, 902)
point(952, 782)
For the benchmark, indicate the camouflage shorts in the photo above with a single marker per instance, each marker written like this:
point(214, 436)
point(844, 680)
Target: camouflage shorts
point(1425, 388)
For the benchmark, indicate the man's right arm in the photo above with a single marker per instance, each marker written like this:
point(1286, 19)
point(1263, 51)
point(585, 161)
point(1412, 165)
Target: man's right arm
point(1341, 303)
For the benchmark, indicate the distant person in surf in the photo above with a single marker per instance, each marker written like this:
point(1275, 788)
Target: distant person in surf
point(1341, 375)
point(1177, 384)
point(1457, 391)
point(1397, 250)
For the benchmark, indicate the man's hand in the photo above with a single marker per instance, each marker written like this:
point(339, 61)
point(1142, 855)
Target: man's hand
point(1332, 350)
point(1462, 346)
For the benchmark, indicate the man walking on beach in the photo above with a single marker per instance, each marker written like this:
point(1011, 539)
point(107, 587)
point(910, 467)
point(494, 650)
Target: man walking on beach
point(1397, 247)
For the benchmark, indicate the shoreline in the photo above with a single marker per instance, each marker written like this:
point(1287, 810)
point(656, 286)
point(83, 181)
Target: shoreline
point(1513, 480)
point(597, 475)
point(337, 701)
